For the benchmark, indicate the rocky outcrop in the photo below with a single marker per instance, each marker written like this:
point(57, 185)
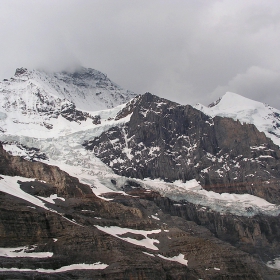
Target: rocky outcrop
point(173, 142)
point(257, 235)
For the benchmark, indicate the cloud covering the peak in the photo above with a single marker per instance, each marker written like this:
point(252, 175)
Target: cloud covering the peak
point(186, 51)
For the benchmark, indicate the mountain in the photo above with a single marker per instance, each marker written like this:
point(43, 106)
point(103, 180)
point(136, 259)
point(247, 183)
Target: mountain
point(172, 142)
point(36, 102)
point(147, 189)
point(232, 105)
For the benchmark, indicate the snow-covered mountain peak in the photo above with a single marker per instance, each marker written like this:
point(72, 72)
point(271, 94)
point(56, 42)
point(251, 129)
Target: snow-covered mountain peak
point(44, 102)
point(88, 89)
point(233, 101)
point(238, 107)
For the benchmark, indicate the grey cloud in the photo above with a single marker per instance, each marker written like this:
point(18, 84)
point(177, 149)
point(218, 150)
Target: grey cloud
point(256, 83)
point(187, 51)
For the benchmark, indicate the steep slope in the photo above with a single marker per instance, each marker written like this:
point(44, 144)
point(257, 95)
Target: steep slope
point(40, 104)
point(232, 105)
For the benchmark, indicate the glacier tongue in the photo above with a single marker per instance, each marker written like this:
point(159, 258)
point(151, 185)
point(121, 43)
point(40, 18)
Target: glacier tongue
point(237, 107)
point(224, 203)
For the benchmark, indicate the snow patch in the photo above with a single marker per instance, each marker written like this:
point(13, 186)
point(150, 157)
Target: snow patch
point(146, 242)
point(154, 217)
point(23, 252)
point(81, 266)
point(275, 263)
point(180, 259)
point(51, 198)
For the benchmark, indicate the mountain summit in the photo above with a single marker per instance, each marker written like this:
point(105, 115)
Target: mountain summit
point(34, 100)
point(237, 107)
point(88, 89)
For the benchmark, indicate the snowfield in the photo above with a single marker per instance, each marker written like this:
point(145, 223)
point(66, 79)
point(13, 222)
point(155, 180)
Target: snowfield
point(40, 104)
point(145, 242)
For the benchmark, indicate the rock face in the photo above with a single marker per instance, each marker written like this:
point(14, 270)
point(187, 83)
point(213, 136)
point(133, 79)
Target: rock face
point(174, 142)
point(73, 231)
point(257, 235)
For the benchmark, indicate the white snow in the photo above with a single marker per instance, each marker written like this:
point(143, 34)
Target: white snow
point(146, 253)
point(23, 252)
point(237, 107)
point(265, 156)
point(81, 266)
point(51, 198)
point(32, 103)
point(275, 263)
point(10, 185)
point(145, 242)
point(180, 259)
point(155, 217)
point(31, 125)
point(67, 153)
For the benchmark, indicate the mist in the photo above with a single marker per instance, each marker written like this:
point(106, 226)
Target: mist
point(186, 51)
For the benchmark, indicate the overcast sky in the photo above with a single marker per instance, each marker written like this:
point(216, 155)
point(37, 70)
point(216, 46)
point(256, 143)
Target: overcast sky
point(188, 51)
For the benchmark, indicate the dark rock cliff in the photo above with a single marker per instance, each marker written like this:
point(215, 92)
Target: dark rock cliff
point(257, 235)
point(173, 142)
